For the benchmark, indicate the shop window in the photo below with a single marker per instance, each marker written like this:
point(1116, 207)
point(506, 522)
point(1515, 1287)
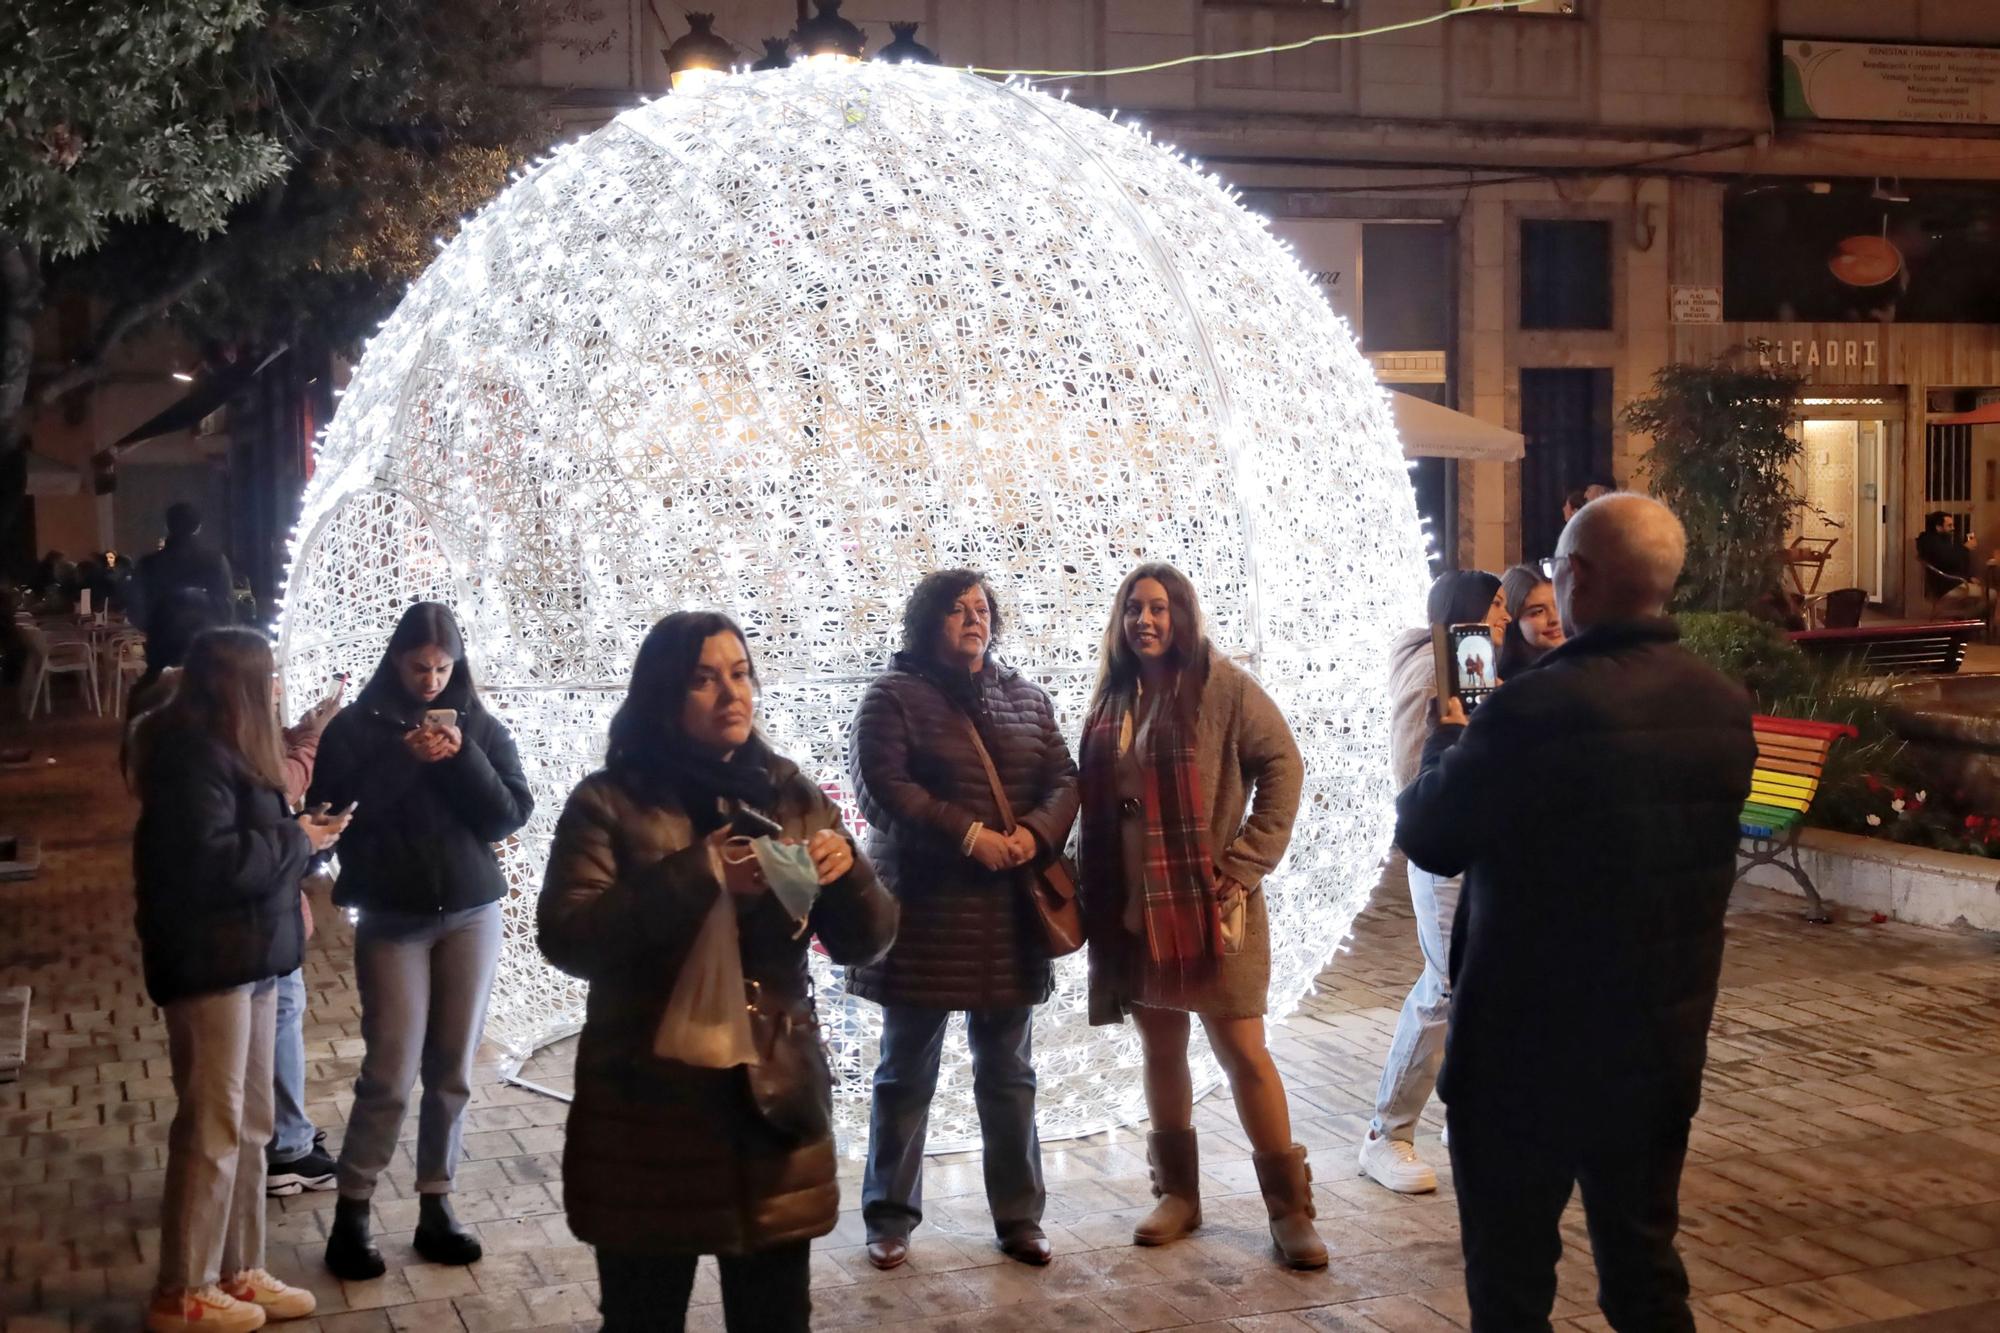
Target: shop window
point(1565, 274)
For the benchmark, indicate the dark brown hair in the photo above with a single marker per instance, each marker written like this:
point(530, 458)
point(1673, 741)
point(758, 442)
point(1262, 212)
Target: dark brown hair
point(224, 693)
point(1118, 665)
point(429, 625)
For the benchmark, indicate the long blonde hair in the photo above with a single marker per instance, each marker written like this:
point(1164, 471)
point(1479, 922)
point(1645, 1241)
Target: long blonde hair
point(224, 693)
point(1118, 665)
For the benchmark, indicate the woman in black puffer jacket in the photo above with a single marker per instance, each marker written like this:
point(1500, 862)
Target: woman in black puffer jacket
point(437, 782)
point(217, 860)
point(966, 939)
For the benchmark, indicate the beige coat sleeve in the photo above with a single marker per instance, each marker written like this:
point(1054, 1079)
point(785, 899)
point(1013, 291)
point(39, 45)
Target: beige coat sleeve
point(1274, 769)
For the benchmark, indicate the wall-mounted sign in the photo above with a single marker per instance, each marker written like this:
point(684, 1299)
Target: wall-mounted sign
point(1330, 250)
point(1814, 355)
point(1697, 305)
point(1861, 251)
point(1899, 82)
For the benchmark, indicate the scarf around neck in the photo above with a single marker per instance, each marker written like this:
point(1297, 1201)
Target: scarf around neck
point(1182, 924)
point(705, 786)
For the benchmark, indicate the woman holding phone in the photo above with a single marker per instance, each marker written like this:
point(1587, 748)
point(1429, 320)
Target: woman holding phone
point(217, 860)
point(432, 781)
point(1389, 1154)
point(698, 861)
point(1191, 781)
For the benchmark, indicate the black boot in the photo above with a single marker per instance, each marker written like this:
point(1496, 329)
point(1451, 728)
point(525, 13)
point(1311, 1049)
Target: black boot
point(439, 1237)
point(349, 1252)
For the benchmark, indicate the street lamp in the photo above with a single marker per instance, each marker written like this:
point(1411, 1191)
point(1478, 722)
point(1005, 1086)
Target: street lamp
point(829, 37)
point(906, 47)
point(699, 56)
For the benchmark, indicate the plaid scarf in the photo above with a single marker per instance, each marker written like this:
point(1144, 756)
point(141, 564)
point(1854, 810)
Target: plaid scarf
point(1183, 926)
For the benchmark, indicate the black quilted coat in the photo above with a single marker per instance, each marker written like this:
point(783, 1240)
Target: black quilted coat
point(966, 940)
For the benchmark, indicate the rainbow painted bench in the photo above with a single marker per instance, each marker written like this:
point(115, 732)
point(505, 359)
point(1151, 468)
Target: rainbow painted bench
point(1791, 756)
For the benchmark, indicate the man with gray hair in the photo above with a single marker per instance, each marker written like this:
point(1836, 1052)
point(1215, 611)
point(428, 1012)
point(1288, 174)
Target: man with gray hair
point(1591, 805)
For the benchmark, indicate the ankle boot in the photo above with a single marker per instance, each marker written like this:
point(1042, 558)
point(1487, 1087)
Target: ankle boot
point(439, 1237)
point(1176, 1164)
point(1287, 1184)
point(350, 1253)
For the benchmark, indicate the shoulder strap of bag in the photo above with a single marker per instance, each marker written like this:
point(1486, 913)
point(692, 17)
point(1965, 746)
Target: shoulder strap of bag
point(1006, 807)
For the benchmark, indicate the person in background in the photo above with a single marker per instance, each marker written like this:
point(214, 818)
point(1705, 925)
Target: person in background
point(668, 1157)
point(1191, 781)
point(1599, 488)
point(437, 782)
point(1534, 629)
point(297, 1159)
point(184, 569)
point(1589, 947)
point(967, 940)
point(217, 859)
point(1388, 1155)
point(1949, 558)
point(1572, 502)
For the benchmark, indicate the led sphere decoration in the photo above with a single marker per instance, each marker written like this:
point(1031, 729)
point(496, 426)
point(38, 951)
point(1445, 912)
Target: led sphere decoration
point(782, 346)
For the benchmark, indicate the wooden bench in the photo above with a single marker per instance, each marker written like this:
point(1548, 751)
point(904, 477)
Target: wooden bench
point(1933, 648)
point(1791, 756)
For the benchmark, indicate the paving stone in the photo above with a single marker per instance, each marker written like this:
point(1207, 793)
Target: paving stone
point(1844, 1171)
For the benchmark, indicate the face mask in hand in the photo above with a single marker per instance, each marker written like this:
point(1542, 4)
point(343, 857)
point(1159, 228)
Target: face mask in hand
point(794, 880)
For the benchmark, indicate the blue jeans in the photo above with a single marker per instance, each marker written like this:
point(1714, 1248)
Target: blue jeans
point(1003, 1089)
point(424, 982)
point(1416, 1052)
point(293, 1130)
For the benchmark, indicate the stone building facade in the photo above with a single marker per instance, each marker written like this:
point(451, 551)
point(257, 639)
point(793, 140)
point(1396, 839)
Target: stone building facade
point(1528, 213)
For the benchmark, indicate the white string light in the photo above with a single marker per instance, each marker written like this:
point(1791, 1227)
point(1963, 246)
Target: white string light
point(782, 346)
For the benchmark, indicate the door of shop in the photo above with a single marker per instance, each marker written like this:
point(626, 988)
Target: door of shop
point(1566, 417)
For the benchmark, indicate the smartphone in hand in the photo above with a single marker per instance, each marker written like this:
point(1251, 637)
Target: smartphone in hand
point(1467, 661)
point(440, 717)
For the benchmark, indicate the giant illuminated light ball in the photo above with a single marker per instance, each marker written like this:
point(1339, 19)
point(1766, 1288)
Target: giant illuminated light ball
point(783, 346)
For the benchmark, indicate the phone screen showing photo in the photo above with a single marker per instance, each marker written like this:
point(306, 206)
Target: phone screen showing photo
point(1475, 658)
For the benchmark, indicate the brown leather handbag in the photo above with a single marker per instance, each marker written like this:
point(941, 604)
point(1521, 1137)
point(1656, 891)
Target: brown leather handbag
point(1050, 882)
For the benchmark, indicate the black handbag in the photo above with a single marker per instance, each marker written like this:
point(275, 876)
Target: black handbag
point(791, 1084)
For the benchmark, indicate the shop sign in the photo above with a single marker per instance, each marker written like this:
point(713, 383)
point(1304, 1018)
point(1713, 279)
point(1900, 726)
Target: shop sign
point(1900, 82)
point(1815, 354)
point(1697, 305)
point(1330, 250)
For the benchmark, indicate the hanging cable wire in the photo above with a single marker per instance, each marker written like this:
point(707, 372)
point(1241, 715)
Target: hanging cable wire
point(1299, 45)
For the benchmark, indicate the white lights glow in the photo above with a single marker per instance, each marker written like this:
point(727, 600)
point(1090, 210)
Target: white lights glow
point(781, 345)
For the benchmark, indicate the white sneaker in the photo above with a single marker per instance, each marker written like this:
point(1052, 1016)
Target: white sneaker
point(1394, 1165)
point(202, 1310)
point(277, 1299)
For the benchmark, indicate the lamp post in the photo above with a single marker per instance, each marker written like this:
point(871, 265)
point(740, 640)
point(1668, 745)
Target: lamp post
point(698, 55)
point(906, 47)
point(828, 36)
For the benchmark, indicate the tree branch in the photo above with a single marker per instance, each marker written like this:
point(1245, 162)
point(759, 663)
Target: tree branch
point(122, 323)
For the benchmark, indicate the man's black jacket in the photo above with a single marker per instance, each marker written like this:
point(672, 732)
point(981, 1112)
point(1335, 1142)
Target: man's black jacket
point(1592, 807)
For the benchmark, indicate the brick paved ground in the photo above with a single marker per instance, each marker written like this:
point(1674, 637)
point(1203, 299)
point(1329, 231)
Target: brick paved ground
point(1846, 1168)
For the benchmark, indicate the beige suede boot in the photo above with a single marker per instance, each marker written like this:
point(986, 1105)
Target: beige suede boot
point(1287, 1184)
point(1176, 1167)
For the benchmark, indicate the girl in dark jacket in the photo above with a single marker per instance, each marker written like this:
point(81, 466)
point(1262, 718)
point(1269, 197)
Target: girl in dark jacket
point(676, 1147)
point(967, 939)
point(437, 783)
point(217, 859)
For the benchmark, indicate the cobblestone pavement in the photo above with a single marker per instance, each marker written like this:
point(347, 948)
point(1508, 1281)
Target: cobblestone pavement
point(1845, 1170)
